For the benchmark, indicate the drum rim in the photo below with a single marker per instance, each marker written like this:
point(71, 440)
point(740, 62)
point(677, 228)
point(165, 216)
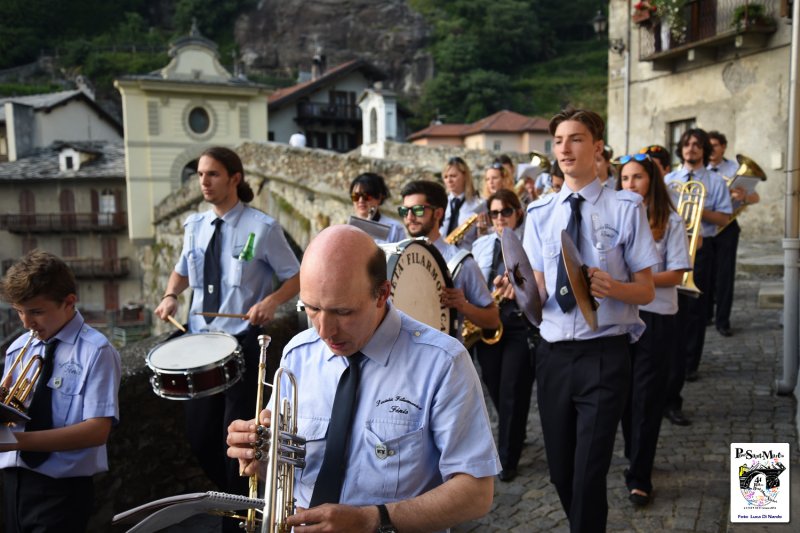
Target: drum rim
point(237, 352)
point(187, 396)
point(438, 257)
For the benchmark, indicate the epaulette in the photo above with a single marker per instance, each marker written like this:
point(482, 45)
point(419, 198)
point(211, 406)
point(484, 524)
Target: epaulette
point(193, 218)
point(307, 336)
point(544, 200)
point(629, 196)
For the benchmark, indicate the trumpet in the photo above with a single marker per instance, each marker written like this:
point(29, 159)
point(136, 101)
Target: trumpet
point(458, 234)
point(471, 333)
point(691, 199)
point(17, 394)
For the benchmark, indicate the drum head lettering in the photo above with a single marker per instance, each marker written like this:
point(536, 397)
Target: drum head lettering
point(418, 274)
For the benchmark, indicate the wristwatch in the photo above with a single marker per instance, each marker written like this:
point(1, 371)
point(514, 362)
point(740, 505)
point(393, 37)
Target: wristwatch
point(386, 524)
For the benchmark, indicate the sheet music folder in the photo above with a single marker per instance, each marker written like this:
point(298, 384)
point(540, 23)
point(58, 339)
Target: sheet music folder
point(376, 230)
point(157, 515)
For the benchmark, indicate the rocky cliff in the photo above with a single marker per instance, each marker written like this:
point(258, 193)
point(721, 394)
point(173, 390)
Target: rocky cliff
point(281, 36)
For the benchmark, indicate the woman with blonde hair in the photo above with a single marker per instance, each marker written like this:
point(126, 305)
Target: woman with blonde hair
point(462, 200)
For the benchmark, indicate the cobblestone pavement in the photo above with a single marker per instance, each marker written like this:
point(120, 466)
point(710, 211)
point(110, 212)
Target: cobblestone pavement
point(731, 402)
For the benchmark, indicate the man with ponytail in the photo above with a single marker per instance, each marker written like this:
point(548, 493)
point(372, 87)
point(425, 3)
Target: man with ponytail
point(231, 253)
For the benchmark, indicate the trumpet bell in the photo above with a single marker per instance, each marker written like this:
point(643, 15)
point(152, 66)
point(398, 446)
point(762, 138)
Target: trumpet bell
point(540, 159)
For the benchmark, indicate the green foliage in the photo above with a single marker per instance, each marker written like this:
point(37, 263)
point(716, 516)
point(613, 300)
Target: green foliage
point(530, 56)
point(22, 89)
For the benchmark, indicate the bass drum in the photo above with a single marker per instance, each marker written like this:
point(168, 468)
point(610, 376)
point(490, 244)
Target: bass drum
point(418, 274)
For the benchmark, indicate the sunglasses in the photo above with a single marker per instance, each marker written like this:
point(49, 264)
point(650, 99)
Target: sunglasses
point(356, 196)
point(417, 210)
point(497, 165)
point(652, 149)
point(635, 157)
point(455, 161)
point(505, 212)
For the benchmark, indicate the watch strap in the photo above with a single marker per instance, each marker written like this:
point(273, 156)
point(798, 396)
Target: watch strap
point(386, 523)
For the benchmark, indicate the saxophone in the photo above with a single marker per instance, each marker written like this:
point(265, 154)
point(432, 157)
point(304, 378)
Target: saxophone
point(458, 234)
point(471, 334)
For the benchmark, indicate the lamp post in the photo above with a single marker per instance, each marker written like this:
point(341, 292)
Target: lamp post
point(600, 24)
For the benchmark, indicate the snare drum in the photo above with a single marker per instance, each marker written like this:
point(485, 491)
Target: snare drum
point(418, 274)
point(195, 365)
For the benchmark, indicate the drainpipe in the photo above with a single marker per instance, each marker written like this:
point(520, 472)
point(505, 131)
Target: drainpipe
point(791, 243)
point(627, 81)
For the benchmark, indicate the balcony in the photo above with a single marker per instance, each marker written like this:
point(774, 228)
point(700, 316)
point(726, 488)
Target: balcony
point(327, 112)
point(91, 268)
point(64, 222)
point(710, 26)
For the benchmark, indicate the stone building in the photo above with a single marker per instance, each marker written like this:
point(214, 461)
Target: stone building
point(69, 199)
point(171, 115)
point(720, 65)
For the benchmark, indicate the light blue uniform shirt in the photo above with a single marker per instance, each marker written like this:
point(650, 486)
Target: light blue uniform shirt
point(397, 231)
point(420, 417)
point(717, 196)
point(85, 384)
point(244, 283)
point(483, 252)
point(469, 279)
point(726, 169)
point(470, 207)
point(673, 253)
point(615, 237)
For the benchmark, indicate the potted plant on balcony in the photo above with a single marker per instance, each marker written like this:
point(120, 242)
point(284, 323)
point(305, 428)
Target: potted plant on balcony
point(750, 15)
point(673, 22)
point(644, 13)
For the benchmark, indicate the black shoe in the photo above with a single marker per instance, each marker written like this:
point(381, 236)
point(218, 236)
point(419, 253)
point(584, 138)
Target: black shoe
point(692, 376)
point(639, 500)
point(725, 332)
point(508, 474)
point(676, 417)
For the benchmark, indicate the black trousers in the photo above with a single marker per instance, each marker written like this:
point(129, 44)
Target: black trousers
point(582, 387)
point(641, 421)
point(207, 421)
point(676, 372)
point(697, 308)
point(35, 503)
point(723, 275)
point(508, 370)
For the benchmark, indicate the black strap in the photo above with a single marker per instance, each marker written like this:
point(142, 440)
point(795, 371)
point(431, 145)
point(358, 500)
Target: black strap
point(497, 259)
point(455, 209)
point(212, 272)
point(41, 408)
point(328, 487)
point(564, 295)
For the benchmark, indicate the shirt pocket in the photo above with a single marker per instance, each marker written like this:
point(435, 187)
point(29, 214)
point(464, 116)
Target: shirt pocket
point(236, 271)
point(67, 389)
point(392, 455)
point(551, 251)
point(194, 261)
point(314, 431)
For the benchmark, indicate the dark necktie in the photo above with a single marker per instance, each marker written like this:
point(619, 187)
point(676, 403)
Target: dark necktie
point(41, 408)
point(328, 487)
point(455, 208)
point(690, 175)
point(497, 259)
point(212, 271)
point(564, 296)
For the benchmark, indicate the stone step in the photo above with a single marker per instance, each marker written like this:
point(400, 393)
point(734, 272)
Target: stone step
point(770, 295)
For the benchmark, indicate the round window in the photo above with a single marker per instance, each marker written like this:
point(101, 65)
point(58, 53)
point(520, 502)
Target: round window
point(199, 121)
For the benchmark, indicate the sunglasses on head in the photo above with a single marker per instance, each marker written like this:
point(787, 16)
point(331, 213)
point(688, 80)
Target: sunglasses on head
point(356, 196)
point(505, 212)
point(417, 210)
point(455, 161)
point(654, 148)
point(635, 157)
point(497, 165)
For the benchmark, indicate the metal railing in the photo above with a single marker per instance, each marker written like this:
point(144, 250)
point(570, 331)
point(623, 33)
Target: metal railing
point(84, 268)
point(63, 222)
point(706, 20)
point(328, 111)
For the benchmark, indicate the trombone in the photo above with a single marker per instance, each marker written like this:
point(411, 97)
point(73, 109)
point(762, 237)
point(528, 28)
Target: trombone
point(16, 395)
point(691, 199)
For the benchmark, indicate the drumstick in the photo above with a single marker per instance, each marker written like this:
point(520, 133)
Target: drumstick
point(176, 323)
point(221, 315)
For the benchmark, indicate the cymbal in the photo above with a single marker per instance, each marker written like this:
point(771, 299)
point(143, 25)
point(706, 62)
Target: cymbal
point(520, 274)
point(9, 414)
point(579, 280)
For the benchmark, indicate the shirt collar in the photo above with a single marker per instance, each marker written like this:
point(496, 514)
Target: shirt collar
point(461, 196)
point(383, 338)
point(590, 192)
point(231, 217)
point(69, 333)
